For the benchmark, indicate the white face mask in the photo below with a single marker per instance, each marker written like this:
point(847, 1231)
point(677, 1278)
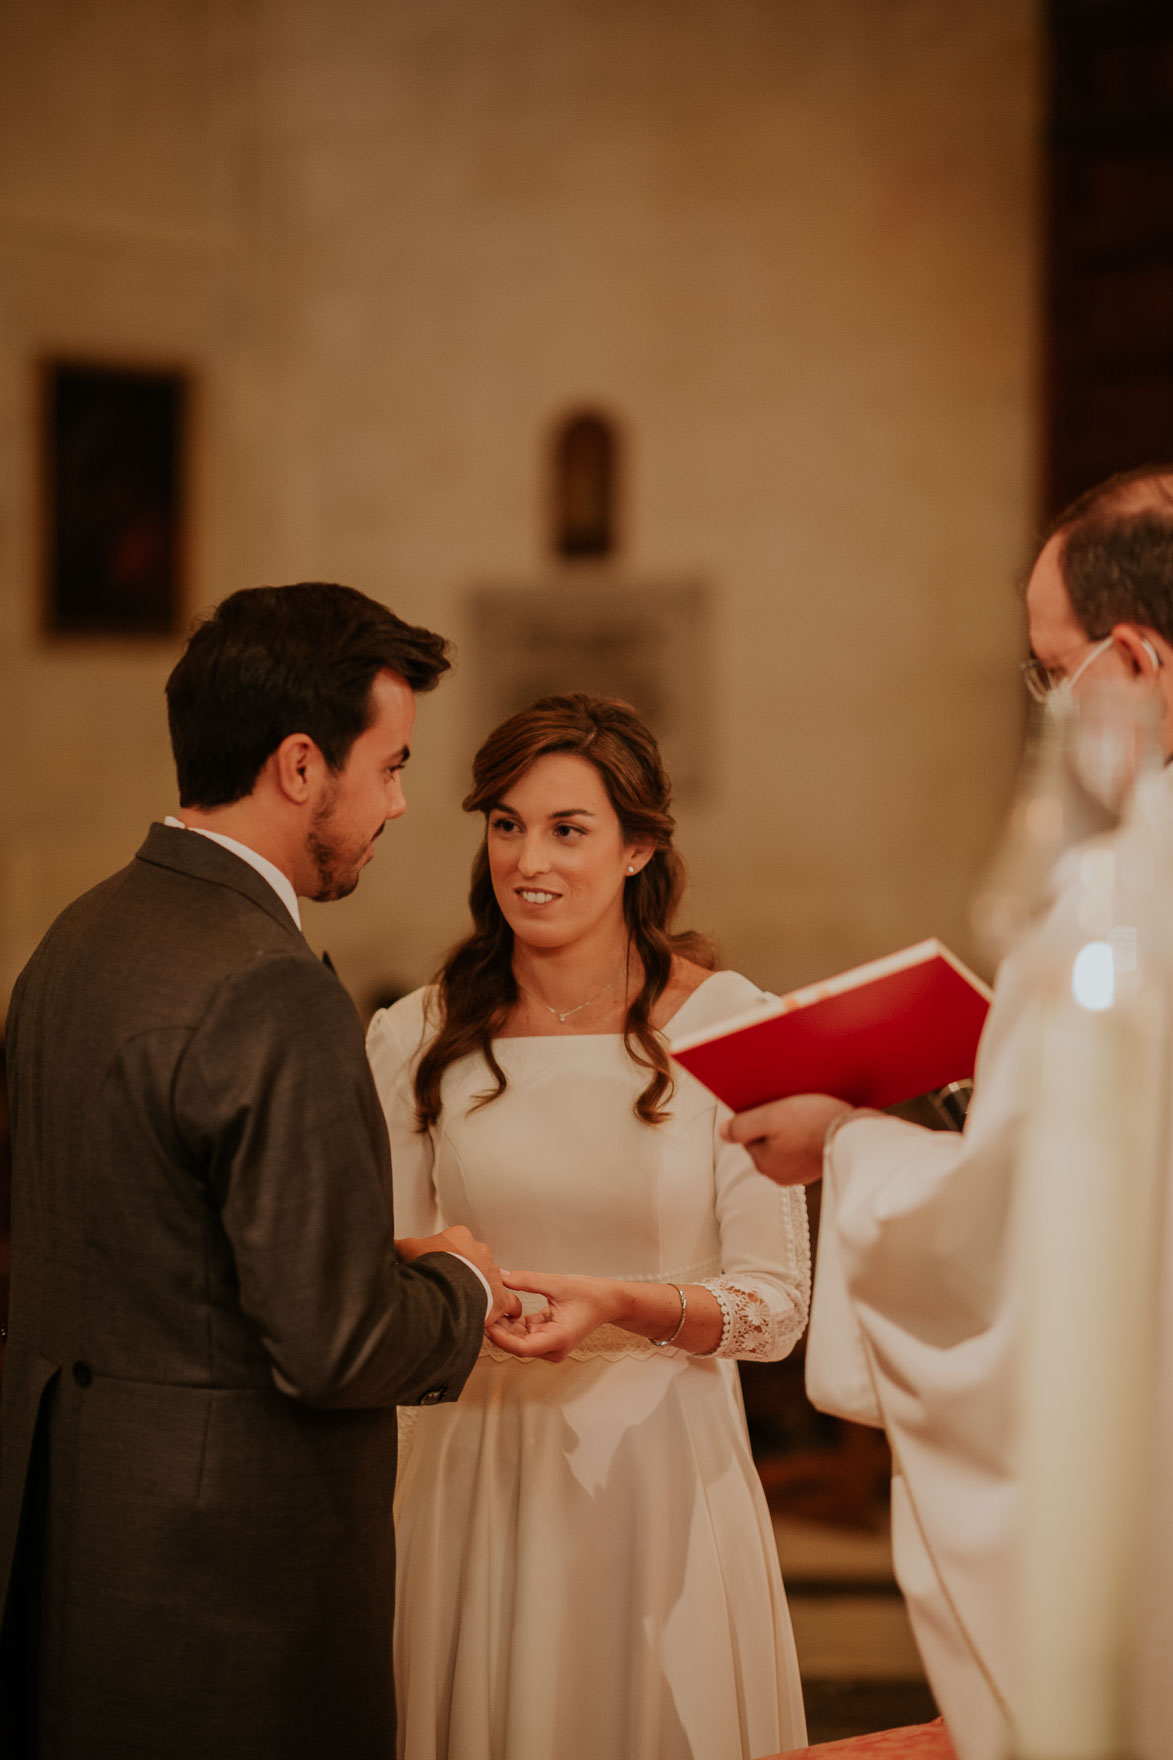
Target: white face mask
point(1067, 685)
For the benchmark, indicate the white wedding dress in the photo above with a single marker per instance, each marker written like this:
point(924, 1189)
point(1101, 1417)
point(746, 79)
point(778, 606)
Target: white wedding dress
point(587, 1568)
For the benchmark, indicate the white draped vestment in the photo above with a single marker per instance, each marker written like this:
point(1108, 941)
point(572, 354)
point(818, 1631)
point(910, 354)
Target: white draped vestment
point(915, 1325)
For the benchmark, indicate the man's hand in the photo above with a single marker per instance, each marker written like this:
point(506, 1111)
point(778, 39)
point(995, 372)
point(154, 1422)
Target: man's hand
point(461, 1240)
point(574, 1307)
point(785, 1139)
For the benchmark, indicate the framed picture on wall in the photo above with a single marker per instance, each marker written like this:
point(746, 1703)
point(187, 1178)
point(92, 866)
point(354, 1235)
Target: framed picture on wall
point(114, 485)
point(649, 644)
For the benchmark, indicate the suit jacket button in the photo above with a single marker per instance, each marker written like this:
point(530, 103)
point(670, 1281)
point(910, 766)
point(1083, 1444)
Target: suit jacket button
point(82, 1374)
point(433, 1396)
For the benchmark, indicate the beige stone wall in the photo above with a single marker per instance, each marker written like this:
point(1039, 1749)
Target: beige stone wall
point(790, 243)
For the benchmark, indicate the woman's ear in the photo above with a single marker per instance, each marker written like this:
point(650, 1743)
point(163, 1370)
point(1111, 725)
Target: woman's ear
point(638, 856)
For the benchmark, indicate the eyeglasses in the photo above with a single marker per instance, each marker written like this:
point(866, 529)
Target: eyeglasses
point(1042, 681)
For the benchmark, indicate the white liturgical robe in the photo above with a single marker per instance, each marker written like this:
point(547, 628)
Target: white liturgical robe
point(916, 1324)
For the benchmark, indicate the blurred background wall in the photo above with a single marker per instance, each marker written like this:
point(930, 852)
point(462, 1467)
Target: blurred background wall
point(790, 247)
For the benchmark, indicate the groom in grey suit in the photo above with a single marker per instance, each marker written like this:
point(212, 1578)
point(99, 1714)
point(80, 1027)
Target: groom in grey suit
point(211, 1321)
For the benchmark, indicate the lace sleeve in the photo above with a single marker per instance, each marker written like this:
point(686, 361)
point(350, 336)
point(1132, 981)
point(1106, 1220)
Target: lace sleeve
point(763, 1289)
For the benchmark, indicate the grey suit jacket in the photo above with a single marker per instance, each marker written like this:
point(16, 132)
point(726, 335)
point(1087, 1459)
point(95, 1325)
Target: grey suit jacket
point(209, 1333)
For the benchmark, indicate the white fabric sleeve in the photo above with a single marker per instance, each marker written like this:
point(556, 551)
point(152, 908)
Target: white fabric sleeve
point(764, 1286)
point(916, 1290)
point(838, 1375)
point(394, 1039)
point(392, 1054)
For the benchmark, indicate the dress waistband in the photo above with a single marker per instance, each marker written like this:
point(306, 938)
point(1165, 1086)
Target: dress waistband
point(609, 1342)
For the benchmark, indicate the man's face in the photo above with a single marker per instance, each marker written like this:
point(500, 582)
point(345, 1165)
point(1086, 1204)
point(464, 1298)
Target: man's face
point(357, 802)
point(1057, 637)
point(1060, 642)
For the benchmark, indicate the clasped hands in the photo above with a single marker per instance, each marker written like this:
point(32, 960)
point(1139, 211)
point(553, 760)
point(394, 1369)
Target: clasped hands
point(573, 1307)
point(785, 1140)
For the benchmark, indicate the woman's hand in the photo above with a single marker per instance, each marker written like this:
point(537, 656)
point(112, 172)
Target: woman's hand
point(574, 1307)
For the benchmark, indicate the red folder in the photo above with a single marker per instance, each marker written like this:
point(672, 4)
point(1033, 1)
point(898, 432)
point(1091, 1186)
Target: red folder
point(876, 1035)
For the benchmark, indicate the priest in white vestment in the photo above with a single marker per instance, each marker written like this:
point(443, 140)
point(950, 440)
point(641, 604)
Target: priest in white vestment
point(915, 1320)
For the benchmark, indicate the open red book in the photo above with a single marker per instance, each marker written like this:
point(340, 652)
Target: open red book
point(877, 1035)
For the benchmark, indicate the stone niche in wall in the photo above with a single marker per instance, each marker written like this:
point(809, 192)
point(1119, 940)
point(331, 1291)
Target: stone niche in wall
point(649, 643)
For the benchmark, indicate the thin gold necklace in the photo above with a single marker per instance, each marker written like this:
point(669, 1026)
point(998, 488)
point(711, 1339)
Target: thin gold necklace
point(568, 1014)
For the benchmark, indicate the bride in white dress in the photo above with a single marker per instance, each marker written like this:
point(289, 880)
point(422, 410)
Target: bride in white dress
point(586, 1563)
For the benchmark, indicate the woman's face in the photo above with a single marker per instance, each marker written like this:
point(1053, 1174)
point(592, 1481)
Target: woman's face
point(557, 855)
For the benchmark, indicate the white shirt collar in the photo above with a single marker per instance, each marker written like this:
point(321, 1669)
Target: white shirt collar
point(266, 869)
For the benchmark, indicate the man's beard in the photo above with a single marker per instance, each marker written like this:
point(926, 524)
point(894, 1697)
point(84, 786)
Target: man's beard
point(337, 872)
point(333, 881)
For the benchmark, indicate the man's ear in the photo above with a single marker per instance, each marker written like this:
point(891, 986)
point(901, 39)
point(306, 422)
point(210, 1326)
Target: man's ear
point(297, 768)
point(1141, 648)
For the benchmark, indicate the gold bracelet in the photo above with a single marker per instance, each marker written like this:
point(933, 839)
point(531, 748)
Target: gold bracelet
point(672, 1336)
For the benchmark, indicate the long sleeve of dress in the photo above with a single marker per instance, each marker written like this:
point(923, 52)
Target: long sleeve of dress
point(763, 1289)
point(394, 1040)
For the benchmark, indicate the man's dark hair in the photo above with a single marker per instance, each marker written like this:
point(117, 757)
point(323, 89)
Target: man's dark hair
point(1116, 555)
point(271, 661)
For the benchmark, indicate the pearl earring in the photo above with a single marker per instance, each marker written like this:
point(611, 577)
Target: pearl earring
point(630, 868)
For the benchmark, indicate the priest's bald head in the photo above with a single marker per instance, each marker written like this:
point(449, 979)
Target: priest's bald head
point(1100, 595)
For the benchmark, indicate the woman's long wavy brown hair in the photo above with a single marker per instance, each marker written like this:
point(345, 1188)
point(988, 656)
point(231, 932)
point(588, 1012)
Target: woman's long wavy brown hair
point(476, 986)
